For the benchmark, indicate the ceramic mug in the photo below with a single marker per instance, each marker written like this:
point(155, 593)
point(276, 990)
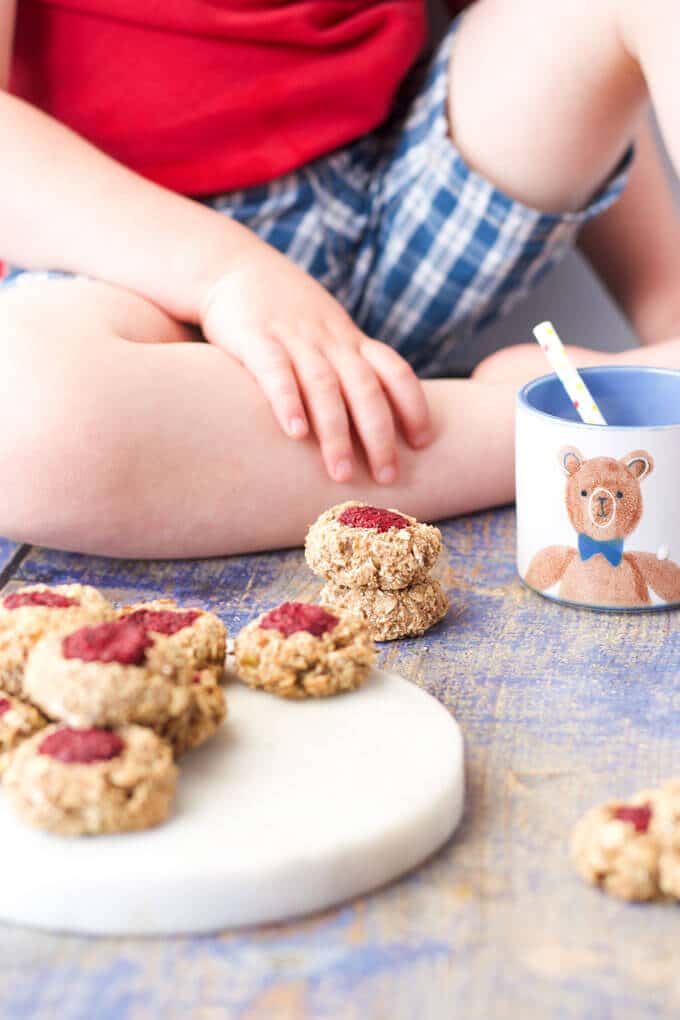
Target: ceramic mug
point(598, 506)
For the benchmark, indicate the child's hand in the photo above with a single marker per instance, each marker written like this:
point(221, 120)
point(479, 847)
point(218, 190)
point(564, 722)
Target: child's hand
point(314, 365)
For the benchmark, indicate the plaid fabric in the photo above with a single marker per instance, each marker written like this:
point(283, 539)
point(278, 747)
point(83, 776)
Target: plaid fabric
point(420, 249)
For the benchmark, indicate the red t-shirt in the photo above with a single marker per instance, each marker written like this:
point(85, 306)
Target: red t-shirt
point(211, 95)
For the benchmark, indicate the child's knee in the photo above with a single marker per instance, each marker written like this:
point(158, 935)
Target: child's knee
point(53, 452)
point(497, 367)
point(43, 365)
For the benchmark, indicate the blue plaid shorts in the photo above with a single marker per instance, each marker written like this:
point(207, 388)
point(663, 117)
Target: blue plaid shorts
point(420, 249)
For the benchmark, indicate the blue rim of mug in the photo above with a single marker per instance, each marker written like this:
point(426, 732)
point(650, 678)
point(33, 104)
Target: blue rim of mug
point(523, 395)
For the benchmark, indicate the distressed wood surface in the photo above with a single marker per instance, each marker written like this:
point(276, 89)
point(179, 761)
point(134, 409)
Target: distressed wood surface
point(10, 555)
point(561, 708)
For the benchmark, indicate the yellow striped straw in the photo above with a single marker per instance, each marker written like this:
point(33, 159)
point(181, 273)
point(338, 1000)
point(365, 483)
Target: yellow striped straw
point(578, 392)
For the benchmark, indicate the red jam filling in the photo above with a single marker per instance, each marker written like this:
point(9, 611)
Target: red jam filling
point(372, 517)
point(5, 705)
point(120, 641)
point(163, 621)
point(639, 815)
point(196, 678)
point(81, 747)
point(52, 599)
point(291, 617)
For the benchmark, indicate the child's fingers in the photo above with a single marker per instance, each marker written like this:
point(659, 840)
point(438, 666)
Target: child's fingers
point(404, 389)
point(371, 412)
point(269, 362)
point(326, 408)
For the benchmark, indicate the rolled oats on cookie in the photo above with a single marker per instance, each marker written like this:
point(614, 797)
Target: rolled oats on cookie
point(205, 712)
point(614, 847)
point(665, 821)
point(299, 650)
point(361, 546)
point(28, 614)
point(665, 828)
point(77, 782)
point(109, 674)
point(18, 722)
point(201, 634)
point(389, 615)
point(669, 874)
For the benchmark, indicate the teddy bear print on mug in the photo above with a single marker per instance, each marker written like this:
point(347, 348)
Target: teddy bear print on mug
point(604, 501)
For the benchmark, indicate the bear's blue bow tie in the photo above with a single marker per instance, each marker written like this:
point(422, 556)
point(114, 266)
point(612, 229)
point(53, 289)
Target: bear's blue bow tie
point(612, 550)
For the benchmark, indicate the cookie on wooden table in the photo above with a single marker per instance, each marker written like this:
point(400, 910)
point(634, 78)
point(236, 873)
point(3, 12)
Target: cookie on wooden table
point(361, 546)
point(86, 782)
point(200, 634)
point(18, 722)
point(28, 614)
point(615, 847)
point(109, 674)
point(299, 650)
point(389, 615)
point(202, 717)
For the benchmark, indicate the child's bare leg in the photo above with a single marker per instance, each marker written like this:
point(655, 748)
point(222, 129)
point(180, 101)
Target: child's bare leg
point(569, 81)
point(170, 449)
point(522, 362)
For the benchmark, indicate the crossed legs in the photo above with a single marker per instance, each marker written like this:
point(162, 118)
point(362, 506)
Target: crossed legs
point(119, 436)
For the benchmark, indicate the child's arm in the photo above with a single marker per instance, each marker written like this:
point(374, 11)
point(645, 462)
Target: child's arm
point(65, 205)
point(635, 246)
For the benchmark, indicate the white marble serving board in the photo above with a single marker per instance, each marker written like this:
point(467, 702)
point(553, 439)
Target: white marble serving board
point(294, 807)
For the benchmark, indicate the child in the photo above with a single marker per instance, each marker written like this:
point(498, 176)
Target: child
point(359, 216)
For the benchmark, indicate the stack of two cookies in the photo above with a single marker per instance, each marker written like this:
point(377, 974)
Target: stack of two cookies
point(377, 563)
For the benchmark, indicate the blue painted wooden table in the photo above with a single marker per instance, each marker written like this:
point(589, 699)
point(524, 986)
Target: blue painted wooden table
point(561, 708)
